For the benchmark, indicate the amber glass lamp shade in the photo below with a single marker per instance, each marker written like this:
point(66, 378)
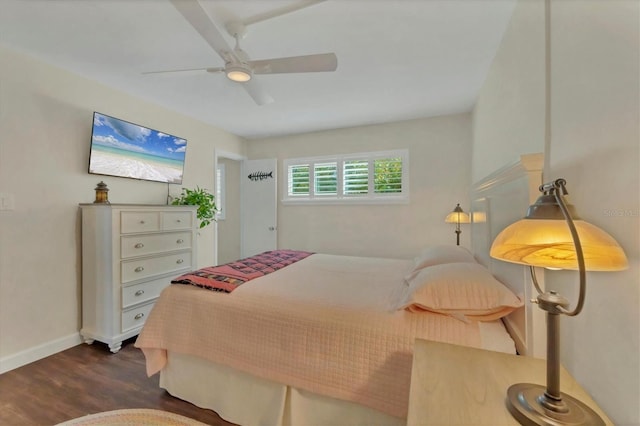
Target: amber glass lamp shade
point(457, 216)
point(548, 243)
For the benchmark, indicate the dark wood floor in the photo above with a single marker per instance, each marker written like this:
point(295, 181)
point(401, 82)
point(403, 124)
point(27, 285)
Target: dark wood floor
point(85, 380)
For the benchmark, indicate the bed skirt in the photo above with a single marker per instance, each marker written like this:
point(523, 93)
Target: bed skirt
point(246, 400)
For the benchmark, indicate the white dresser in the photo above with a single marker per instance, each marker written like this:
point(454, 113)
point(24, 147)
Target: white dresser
point(129, 254)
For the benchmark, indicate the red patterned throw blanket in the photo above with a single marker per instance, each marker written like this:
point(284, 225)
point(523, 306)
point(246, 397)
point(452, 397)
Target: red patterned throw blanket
point(228, 277)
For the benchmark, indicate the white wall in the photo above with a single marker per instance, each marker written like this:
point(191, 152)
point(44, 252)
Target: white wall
point(594, 144)
point(46, 118)
point(508, 118)
point(440, 157)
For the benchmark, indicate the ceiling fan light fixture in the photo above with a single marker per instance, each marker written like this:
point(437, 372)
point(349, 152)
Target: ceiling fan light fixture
point(238, 74)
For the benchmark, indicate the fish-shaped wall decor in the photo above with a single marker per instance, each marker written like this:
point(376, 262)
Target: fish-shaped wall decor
point(255, 176)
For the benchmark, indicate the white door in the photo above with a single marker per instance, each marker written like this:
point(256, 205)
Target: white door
point(258, 186)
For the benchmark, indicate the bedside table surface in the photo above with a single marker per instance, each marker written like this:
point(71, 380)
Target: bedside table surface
point(458, 385)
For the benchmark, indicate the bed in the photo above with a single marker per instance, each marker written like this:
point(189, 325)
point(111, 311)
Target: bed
point(326, 339)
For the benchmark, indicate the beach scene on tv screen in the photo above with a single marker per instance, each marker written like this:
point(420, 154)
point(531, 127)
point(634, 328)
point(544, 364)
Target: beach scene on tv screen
point(120, 148)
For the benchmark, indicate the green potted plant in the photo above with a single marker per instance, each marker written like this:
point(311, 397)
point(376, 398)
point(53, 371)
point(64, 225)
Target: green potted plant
point(202, 198)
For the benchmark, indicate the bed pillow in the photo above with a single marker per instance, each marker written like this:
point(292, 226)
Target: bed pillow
point(438, 255)
point(463, 290)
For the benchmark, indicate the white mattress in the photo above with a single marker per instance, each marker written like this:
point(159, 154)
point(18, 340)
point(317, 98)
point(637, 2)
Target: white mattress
point(495, 337)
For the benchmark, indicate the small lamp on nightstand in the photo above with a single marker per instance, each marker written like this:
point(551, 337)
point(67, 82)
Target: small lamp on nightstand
point(549, 237)
point(457, 216)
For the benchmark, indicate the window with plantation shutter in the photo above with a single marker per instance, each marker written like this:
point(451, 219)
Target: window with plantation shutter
point(325, 177)
point(298, 180)
point(371, 177)
point(356, 177)
point(387, 175)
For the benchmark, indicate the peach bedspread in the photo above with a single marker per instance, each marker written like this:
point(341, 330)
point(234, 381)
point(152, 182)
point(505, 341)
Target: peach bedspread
point(296, 337)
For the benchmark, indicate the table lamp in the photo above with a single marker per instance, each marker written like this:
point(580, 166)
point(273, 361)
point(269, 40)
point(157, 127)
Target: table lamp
point(551, 236)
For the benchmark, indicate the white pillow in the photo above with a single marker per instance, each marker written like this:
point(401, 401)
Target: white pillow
point(437, 255)
point(462, 289)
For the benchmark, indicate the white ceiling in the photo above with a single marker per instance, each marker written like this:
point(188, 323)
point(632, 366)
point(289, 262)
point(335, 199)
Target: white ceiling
point(397, 59)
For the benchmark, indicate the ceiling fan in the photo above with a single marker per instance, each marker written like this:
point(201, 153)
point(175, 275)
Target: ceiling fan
point(238, 66)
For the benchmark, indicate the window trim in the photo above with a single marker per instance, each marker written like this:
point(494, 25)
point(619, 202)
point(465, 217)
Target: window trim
point(340, 198)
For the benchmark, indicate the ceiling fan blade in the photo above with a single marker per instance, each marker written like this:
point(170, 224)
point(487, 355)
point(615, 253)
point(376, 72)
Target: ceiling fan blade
point(258, 94)
point(198, 18)
point(186, 70)
point(280, 11)
point(309, 63)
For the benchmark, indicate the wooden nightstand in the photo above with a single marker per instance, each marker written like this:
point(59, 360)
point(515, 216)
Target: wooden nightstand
point(457, 385)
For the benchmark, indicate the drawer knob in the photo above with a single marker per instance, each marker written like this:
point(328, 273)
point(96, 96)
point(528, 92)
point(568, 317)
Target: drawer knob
point(179, 261)
point(138, 316)
point(180, 241)
point(139, 269)
point(179, 221)
point(139, 245)
point(139, 292)
point(142, 222)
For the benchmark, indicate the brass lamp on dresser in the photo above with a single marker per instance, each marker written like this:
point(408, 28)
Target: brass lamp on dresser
point(130, 253)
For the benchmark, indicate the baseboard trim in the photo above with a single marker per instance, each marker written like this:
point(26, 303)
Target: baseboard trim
point(35, 353)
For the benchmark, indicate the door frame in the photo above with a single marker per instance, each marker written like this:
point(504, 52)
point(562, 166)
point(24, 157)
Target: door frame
point(218, 153)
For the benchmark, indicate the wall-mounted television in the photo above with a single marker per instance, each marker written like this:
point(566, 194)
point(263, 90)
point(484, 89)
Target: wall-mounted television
point(123, 149)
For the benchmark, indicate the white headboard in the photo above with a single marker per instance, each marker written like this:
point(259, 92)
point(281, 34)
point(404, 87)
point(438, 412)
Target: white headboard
point(497, 201)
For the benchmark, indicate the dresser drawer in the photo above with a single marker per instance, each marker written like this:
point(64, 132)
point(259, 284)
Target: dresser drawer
point(136, 269)
point(135, 317)
point(143, 292)
point(131, 222)
point(177, 220)
point(140, 245)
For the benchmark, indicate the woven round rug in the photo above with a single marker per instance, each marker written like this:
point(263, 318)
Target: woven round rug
point(133, 417)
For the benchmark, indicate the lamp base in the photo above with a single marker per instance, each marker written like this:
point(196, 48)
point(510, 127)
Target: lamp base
point(525, 402)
